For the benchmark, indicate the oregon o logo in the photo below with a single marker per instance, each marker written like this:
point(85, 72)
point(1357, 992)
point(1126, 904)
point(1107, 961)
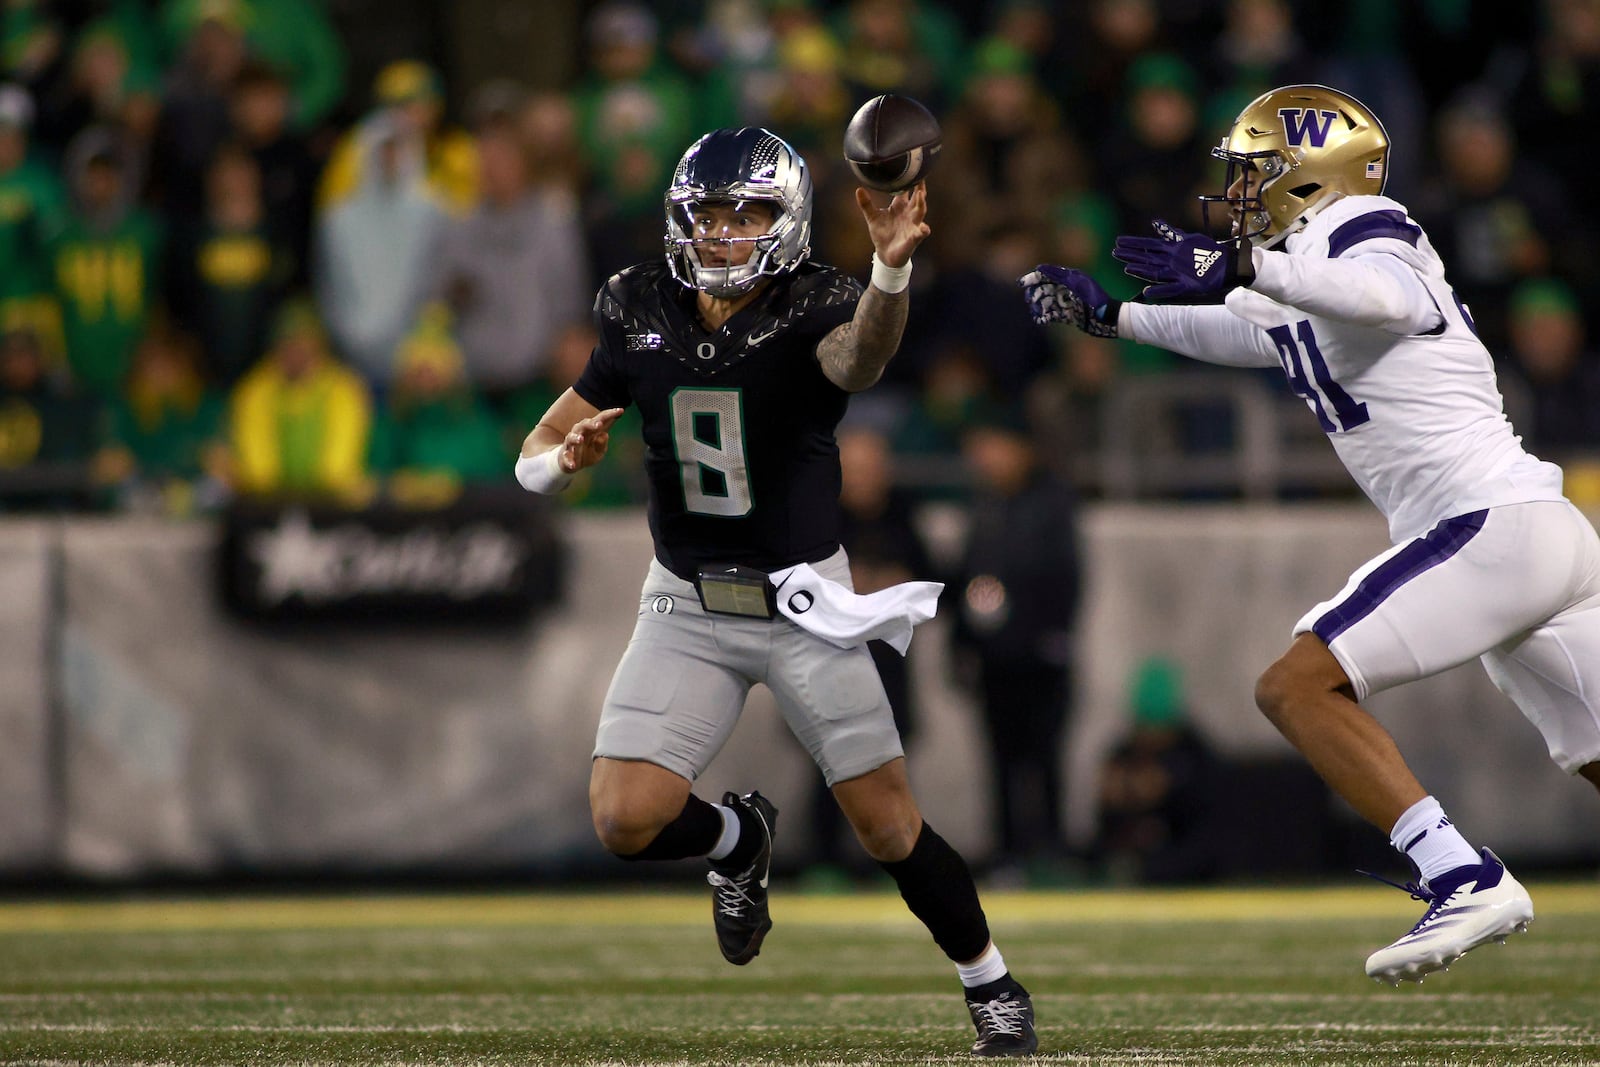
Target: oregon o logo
point(661, 605)
point(801, 602)
point(705, 350)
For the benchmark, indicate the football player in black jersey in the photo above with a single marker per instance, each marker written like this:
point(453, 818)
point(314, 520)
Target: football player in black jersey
point(741, 355)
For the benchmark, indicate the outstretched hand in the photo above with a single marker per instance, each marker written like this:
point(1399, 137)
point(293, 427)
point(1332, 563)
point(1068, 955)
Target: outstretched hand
point(896, 230)
point(1063, 294)
point(587, 441)
point(1189, 268)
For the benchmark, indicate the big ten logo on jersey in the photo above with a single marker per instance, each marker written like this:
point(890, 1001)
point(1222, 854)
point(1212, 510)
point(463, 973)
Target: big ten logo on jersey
point(1301, 124)
point(644, 342)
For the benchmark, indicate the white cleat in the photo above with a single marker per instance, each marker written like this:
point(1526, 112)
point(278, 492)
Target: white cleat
point(1467, 907)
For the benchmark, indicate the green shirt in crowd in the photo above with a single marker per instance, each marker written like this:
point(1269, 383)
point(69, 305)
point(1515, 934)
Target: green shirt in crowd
point(105, 281)
point(454, 435)
point(170, 441)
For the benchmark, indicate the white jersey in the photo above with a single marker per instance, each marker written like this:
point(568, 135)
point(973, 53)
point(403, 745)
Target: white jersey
point(1357, 312)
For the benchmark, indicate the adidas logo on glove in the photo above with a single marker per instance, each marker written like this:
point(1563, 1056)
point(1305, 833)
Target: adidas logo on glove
point(1203, 261)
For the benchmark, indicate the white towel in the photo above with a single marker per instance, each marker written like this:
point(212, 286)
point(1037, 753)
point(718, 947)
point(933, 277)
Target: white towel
point(840, 617)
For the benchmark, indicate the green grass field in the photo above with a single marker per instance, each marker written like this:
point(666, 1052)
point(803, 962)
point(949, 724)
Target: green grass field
point(1146, 978)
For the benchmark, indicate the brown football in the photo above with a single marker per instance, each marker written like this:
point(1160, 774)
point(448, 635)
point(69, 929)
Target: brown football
point(892, 143)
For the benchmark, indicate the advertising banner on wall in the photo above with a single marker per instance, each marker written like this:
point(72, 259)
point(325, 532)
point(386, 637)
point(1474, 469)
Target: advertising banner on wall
point(492, 554)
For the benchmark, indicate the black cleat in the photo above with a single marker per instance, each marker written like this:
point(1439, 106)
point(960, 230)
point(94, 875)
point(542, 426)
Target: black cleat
point(1005, 1024)
point(739, 898)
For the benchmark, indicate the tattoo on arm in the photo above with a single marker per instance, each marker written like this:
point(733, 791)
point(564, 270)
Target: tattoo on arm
point(853, 355)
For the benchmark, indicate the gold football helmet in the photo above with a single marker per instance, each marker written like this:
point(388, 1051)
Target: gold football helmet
point(1291, 153)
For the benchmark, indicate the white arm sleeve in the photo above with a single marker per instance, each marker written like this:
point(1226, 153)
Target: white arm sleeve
point(1210, 333)
point(1375, 289)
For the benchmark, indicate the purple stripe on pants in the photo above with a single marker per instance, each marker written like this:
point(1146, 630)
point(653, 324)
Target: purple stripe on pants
point(1422, 554)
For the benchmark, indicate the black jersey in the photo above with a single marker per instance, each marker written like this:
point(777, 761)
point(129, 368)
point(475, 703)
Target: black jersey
point(738, 421)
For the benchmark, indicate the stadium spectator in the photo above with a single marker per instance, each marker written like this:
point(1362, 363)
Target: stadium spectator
point(194, 105)
point(1559, 90)
point(1157, 793)
point(166, 449)
point(811, 103)
point(634, 113)
point(910, 47)
point(1468, 44)
point(729, 53)
point(549, 128)
point(389, 187)
point(408, 99)
point(1259, 46)
point(1154, 158)
point(33, 209)
point(293, 36)
point(432, 434)
point(110, 79)
point(1113, 36)
point(106, 263)
point(229, 269)
point(48, 432)
point(1371, 57)
point(755, 423)
point(1032, 27)
point(1003, 143)
point(967, 307)
point(33, 45)
point(513, 273)
point(1084, 225)
point(1550, 356)
point(1016, 599)
point(1493, 214)
point(299, 422)
point(259, 107)
point(954, 381)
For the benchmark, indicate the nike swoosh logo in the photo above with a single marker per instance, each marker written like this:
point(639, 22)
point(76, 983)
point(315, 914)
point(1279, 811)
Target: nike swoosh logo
point(757, 338)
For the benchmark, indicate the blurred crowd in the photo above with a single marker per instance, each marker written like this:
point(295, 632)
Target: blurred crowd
point(225, 268)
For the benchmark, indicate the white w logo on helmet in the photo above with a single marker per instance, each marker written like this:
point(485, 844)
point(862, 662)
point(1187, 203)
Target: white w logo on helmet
point(1203, 261)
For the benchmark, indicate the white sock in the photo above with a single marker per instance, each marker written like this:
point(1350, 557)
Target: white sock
point(730, 833)
point(983, 970)
point(1426, 835)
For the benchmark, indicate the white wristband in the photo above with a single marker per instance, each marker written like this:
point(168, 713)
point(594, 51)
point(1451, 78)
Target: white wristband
point(542, 473)
point(890, 279)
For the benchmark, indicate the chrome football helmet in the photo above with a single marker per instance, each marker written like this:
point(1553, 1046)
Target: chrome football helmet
point(1307, 145)
point(739, 166)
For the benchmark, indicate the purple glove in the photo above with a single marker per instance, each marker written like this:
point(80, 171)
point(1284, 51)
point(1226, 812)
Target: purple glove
point(1186, 268)
point(1061, 294)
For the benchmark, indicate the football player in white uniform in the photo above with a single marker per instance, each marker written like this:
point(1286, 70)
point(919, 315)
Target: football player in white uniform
point(1336, 284)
